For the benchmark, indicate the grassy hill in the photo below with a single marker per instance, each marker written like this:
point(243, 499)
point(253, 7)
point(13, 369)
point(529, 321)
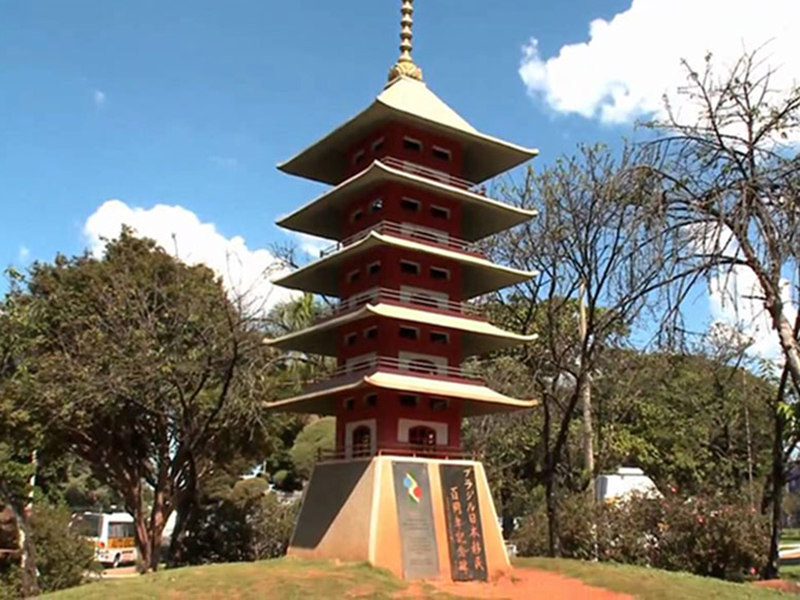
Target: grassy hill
point(287, 579)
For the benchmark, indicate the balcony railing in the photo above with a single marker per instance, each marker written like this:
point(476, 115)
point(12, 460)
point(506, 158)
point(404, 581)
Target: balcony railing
point(418, 368)
point(440, 176)
point(409, 232)
point(409, 450)
point(411, 299)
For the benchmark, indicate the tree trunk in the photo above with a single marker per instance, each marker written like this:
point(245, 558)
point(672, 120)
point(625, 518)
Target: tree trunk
point(30, 577)
point(553, 529)
point(551, 496)
point(588, 433)
point(788, 340)
point(586, 400)
point(142, 540)
point(778, 477)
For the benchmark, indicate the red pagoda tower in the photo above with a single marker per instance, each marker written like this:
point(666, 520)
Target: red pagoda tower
point(405, 211)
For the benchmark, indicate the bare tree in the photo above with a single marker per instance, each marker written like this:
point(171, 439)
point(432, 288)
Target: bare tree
point(590, 232)
point(731, 182)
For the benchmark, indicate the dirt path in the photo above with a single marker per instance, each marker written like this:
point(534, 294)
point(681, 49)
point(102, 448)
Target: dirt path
point(525, 584)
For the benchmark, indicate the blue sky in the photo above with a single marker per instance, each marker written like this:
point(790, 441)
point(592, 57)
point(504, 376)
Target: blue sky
point(194, 103)
point(191, 104)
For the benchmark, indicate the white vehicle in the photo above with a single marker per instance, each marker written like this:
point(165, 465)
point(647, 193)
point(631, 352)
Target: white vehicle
point(625, 482)
point(112, 534)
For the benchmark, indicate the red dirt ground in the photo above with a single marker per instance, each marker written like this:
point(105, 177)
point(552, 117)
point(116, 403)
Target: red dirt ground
point(524, 584)
point(780, 584)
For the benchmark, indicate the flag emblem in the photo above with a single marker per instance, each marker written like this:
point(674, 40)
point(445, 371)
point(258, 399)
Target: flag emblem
point(414, 491)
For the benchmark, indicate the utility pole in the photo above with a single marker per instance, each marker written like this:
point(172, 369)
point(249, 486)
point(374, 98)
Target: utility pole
point(586, 396)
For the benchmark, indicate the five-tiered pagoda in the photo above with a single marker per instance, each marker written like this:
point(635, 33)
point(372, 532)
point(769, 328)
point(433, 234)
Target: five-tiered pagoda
point(405, 211)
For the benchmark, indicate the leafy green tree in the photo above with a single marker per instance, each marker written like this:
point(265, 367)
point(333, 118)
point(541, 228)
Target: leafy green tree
point(141, 366)
point(318, 436)
point(21, 433)
point(692, 422)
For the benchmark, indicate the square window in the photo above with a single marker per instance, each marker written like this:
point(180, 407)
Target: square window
point(409, 400)
point(440, 337)
point(439, 212)
point(439, 404)
point(356, 216)
point(409, 333)
point(349, 403)
point(442, 153)
point(378, 144)
point(350, 339)
point(371, 333)
point(410, 205)
point(374, 268)
point(408, 267)
point(440, 274)
point(353, 276)
point(412, 145)
point(371, 401)
point(358, 157)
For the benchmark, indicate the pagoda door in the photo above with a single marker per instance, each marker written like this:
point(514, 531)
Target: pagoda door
point(422, 436)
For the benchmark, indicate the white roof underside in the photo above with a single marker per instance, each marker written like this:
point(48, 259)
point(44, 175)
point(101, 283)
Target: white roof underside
point(475, 399)
point(477, 337)
point(410, 101)
point(479, 276)
point(324, 216)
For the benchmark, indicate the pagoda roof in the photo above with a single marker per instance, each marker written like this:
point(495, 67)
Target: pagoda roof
point(480, 276)
point(407, 100)
point(478, 337)
point(482, 216)
point(475, 399)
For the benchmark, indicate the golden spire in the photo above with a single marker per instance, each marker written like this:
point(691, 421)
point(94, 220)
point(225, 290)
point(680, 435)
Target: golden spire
point(405, 64)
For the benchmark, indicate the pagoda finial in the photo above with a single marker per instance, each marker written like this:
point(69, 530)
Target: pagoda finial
point(405, 64)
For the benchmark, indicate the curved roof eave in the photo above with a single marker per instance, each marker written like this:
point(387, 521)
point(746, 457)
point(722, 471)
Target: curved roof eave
point(476, 400)
point(506, 275)
point(299, 219)
point(323, 160)
point(493, 337)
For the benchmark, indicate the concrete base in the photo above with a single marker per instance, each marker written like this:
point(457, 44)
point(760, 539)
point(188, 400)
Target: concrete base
point(350, 513)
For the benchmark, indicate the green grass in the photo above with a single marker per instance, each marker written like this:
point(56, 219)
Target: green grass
point(283, 579)
point(790, 572)
point(288, 579)
point(651, 584)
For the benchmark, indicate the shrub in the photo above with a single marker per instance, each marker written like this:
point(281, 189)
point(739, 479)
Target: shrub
point(711, 536)
point(62, 557)
point(317, 436)
point(10, 580)
point(246, 523)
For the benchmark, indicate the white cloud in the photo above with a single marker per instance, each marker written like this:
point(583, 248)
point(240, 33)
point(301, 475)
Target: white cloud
point(244, 272)
point(99, 98)
point(735, 300)
point(312, 245)
point(736, 297)
point(23, 254)
point(627, 64)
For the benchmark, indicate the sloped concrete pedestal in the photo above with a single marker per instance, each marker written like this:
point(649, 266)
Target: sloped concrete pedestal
point(420, 518)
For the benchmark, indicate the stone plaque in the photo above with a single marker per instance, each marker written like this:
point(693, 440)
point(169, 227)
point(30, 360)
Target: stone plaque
point(464, 528)
point(412, 490)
